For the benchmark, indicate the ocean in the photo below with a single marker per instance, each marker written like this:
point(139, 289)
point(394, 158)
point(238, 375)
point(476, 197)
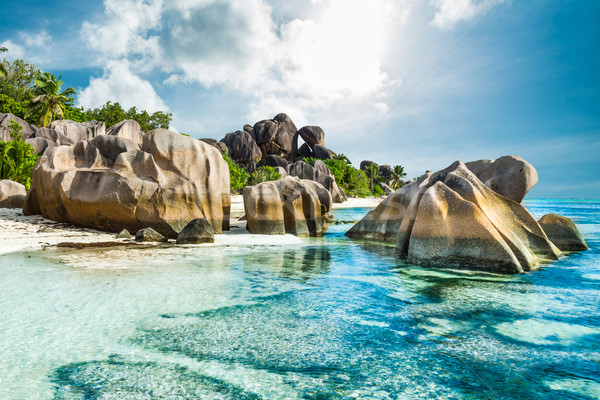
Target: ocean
point(330, 318)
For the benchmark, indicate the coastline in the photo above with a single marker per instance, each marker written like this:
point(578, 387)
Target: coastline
point(237, 204)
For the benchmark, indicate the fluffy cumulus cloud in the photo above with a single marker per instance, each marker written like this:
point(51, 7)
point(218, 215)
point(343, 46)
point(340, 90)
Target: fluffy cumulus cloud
point(120, 84)
point(451, 12)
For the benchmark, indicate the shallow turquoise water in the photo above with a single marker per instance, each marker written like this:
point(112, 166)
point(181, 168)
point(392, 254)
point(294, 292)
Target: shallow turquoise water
point(331, 318)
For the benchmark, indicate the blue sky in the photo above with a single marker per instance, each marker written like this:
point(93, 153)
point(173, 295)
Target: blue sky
point(419, 83)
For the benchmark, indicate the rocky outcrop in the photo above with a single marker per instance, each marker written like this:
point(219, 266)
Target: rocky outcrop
point(273, 161)
point(242, 147)
point(12, 194)
point(563, 233)
point(127, 129)
point(196, 232)
point(78, 131)
point(222, 147)
point(110, 183)
point(451, 218)
point(322, 152)
point(275, 136)
point(318, 172)
point(288, 205)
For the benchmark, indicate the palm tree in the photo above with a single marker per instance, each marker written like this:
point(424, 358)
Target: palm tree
point(397, 175)
point(372, 172)
point(3, 67)
point(50, 102)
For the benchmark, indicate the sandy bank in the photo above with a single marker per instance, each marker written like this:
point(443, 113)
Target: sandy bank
point(30, 233)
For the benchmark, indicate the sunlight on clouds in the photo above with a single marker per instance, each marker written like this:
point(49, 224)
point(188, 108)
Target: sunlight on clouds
point(451, 12)
point(41, 39)
point(120, 84)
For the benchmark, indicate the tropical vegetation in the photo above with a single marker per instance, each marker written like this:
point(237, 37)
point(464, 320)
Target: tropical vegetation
point(17, 158)
point(49, 101)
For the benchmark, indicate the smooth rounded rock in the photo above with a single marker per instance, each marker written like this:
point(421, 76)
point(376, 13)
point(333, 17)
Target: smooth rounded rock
point(196, 232)
point(563, 233)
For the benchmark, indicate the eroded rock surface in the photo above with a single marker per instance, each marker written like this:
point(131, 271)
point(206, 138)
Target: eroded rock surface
point(563, 233)
point(12, 194)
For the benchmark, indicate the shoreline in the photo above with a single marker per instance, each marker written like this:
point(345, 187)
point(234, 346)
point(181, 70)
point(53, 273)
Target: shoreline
point(237, 204)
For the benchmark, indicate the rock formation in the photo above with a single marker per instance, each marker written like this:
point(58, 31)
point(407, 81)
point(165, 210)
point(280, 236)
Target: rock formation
point(242, 147)
point(318, 172)
point(5, 132)
point(562, 232)
point(12, 194)
point(196, 232)
point(78, 131)
point(128, 129)
point(288, 205)
point(149, 235)
point(452, 218)
point(110, 183)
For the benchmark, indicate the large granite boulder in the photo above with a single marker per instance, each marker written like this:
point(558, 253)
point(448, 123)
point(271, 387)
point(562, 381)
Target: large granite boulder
point(275, 136)
point(312, 136)
point(5, 131)
point(318, 172)
point(78, 131)
point(196, 232)
point(288, 205)
point(12, 194)
point(242, 147)
point(128, 129)
point(111, 183)
point(510, 176)
point(563, 233)
point(451, 218)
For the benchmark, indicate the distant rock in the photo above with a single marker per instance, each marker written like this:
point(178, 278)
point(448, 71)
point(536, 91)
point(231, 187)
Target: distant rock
point(386, 188)
point(149, 235)
point(12, 194)
point(222, 147)
point(366, 163)
point(242, 147)
point(196, 232)
point(127, 129)
point(318, 172)
point(110, 183)
point(386, 173)
point(563, 233)
point(124, 234)
point(452, 219)
point(273, 161)
point(287, 205)
point(312, 135)
point(304, 151)
point(275, 136)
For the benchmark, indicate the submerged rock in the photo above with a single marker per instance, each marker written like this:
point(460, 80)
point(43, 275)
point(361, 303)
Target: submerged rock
point(149, 235)
point(288, 205)
point(12, 194)
point(563, 233)
point(451, 218)
point(110, 183)
point(196, 232)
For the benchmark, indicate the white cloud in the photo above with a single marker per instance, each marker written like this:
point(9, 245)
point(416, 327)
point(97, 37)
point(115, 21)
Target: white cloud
point(451, 12)
point(121, 33)
point(37, 40)
point(14, 50)
point(120, 84)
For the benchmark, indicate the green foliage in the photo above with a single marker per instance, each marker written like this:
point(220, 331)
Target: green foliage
point(238, 177)
point(16, 88)
point(352, 181)
point(372, 172)
point(263, 174)
point(49, 102)
point(112, 113)
point(378, 191)
point(17, 158)
point(397, 176)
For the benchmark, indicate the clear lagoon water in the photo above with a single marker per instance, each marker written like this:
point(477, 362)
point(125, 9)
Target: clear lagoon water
point(331, 318)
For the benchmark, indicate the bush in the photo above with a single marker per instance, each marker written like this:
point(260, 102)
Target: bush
point(378, 191)
point(238, 177)
point(263, 174)
point(17, 158)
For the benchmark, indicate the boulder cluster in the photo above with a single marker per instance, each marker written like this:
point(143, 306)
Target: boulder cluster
point(275, 143)
point(470, 216)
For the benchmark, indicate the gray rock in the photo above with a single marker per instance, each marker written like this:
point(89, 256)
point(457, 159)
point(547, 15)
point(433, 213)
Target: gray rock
point(366, 163)
point(323, 153)
point(12, 194)
point(386, 173)
point(78, 131)
point(111, 146)
point(217, 145)
point(275, 137)
point(127, 129)
point(563, 233)
point(124, 234)
point(149, 235)
point(312, 135)
point(318, 172)
point(304, 151)
point(6, 132)
point(273, 161)
point(40, 144)
point(242, 147)
point(196, 232)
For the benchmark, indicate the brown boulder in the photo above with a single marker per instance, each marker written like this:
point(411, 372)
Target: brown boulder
point(287, 205)
point(111, 183)
point(12, 194)
point(563, 233)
